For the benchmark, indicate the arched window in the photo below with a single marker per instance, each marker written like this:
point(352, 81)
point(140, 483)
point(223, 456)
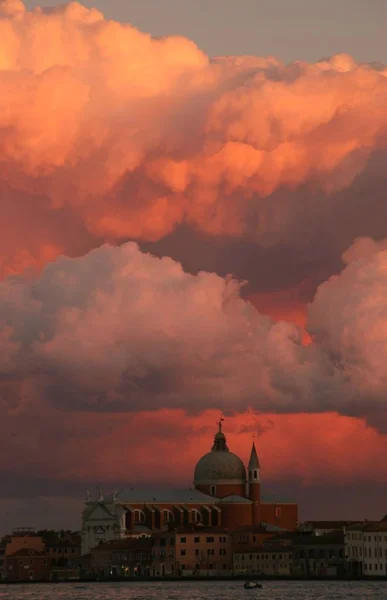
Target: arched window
point(167, 516)
point(196, 516)
point(255, 474)
point(139, 516)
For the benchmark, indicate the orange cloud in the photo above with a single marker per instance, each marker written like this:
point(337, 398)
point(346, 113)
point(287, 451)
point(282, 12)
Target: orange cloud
point(312, 449)
point(283, 305)
point(132, 136)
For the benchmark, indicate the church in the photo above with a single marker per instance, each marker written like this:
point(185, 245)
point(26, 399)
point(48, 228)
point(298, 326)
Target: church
point(225, 495)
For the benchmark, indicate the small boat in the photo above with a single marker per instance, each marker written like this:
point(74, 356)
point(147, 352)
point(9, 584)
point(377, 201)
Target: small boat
point(251, 585)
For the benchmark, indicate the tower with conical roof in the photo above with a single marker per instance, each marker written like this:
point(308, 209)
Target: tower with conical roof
point(254, 483)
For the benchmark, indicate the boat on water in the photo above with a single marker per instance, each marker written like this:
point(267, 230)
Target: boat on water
point(251, 585)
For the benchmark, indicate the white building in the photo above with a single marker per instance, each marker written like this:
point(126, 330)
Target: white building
point(366, 549)
point(264, 561)
point(138, 513)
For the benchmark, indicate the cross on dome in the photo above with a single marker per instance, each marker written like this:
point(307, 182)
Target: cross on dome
point(219, 424)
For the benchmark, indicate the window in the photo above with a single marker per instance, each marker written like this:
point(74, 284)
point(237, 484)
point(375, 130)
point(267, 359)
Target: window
point(197, 552)
point(210, 540)
point(31, 573)
point(183, 552)
point(139, 516)
point(183, 567)
point(183, 540)
point(196, 516)
point(213, 490)
point(197, 540)
point(210, 566)
point(255, 474)
point(167, 516)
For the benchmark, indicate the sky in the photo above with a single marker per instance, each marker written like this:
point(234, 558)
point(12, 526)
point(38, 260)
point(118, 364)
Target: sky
point(192, 225)
point(296, 30)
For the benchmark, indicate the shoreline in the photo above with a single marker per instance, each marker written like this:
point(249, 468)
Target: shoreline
point(190, 579)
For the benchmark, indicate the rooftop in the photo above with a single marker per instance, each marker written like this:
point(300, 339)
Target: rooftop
point(162, 496)
point(234, 499)
point(26, 552)
point(369, 526)
point(328, 524)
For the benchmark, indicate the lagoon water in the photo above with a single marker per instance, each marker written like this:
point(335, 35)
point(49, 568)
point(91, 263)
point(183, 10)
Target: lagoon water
point(277, 590)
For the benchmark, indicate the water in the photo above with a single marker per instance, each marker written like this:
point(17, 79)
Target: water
point(276, 590)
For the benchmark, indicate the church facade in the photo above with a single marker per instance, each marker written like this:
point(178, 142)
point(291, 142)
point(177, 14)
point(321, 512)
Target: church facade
point(225, 495)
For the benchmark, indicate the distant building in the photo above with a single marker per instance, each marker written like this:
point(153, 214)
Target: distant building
point(273, 560)
point(225, 496)
point(2, 561)
point(63, 552)
point(253, 537)
point(122, 558)
point(319, 555)
point(24, 539)
point(366, 549)
point(204, 551)
point(27, 565)
point(324, 527)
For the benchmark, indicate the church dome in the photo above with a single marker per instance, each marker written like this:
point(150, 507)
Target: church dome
point(219, 465)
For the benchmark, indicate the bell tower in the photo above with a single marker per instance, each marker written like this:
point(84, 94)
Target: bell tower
point(254, 484)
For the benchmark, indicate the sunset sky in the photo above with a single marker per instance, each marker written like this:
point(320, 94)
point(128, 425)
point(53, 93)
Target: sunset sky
point(192, 225)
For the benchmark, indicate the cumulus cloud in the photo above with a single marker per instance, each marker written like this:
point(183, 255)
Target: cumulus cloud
point(348, 321)
point(129, 136)
point(121, 330)
point(242, 165)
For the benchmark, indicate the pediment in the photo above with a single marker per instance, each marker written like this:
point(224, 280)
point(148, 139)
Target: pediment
point(99, 512)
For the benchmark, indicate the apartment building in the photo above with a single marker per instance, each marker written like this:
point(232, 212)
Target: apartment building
point(366, 549)
point(203, 551)
point(274, 560)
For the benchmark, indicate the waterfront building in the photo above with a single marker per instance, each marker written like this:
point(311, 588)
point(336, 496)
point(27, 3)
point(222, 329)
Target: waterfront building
point(224, 495)
point(27, 565)
point(319, 555)
point(131, 557)
point(275, 560)
point(192, 551)
point(366, 549)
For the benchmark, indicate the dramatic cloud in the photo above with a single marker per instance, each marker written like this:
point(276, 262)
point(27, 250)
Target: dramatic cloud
point(348, 320)
point(120, 329)
point(246, 166)
point(126, 136)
